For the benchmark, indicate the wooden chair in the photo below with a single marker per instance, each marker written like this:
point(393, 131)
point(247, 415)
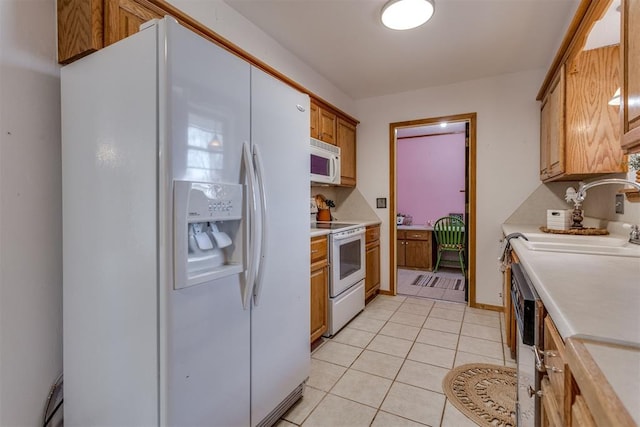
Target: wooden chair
point(449, 233)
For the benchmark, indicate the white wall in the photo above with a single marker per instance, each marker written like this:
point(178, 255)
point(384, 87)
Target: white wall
point(30, 210)
point(507, 155)
point(225, 21)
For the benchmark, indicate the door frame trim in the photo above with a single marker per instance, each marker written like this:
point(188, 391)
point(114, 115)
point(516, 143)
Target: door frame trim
point(471, 173)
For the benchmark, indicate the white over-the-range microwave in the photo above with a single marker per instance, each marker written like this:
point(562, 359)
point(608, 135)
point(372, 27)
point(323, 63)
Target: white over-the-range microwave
point(325, 162)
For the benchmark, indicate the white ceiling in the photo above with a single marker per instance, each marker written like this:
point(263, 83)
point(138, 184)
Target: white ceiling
point(344, 41)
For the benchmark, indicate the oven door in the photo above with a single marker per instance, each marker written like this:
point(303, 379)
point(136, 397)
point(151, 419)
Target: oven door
point(347, 262)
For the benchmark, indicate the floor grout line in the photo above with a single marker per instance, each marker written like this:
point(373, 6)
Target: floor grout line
point(429, 315)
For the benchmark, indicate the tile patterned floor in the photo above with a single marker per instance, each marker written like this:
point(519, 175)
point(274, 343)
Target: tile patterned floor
point(406, 277)
point(385, 368)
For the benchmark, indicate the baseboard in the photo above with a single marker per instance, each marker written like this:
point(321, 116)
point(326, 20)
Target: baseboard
point(488, 307)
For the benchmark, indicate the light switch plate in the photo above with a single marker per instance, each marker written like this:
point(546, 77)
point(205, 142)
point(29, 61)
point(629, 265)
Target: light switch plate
point(619, 203)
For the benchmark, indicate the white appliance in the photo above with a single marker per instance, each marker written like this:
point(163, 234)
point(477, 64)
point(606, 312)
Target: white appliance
point(325, 162)
point(186, 264)
point(347, 269)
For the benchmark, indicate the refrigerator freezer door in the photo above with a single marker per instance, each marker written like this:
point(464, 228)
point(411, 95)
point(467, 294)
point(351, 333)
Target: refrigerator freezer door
point(280, 358)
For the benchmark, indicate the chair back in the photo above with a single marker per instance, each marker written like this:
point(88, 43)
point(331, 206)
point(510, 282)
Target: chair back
point(449, 232)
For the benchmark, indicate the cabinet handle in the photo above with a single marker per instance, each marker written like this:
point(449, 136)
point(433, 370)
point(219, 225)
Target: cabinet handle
point(553, 369)
point(315, 251)
point(540, 367)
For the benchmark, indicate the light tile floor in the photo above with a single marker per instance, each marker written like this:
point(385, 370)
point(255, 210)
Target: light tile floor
point(406, 277)
point(385, 368)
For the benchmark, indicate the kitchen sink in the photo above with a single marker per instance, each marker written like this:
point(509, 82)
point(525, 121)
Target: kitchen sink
point(595, 245)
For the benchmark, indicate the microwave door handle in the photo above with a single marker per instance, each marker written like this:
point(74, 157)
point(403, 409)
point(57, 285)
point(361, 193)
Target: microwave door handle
point(334, 168)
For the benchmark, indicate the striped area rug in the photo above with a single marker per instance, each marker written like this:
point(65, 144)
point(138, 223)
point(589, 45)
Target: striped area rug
point(433, 281)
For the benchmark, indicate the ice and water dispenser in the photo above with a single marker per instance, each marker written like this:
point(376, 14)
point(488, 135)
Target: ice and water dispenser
point(208, 234)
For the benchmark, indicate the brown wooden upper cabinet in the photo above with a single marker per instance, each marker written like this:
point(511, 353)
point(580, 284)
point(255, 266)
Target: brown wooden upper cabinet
point(630, 90)
point(552, 130)
point(579, 130)
point(332, 127)
point(323, 124)
point(85, 26)
point(580, 134)
point(124, 17)
point(347, 142)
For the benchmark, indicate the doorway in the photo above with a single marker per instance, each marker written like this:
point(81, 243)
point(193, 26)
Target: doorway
point(423, 274)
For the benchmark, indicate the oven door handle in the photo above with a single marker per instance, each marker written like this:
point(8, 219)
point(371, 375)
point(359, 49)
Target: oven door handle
point(540, 366)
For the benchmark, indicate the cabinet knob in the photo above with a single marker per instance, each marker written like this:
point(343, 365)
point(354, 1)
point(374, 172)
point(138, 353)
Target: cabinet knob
point(532, 392)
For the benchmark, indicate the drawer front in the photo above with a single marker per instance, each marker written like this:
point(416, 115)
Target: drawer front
point(402, 234)
point(418, 235)
point(554, 359)
point(373, 234)
point(318, 248)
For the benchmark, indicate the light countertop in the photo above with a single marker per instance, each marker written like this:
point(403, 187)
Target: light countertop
point(595, 297)
point(588, 295)
point(415, 227)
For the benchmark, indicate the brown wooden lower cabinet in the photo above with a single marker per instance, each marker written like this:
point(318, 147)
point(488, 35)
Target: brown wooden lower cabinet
point(414, 249)
point(509, 313)
point(319, 294)
point(575, 392)
point(372, 278)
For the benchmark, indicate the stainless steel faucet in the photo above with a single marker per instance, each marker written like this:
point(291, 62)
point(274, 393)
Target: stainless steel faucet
point(582, 190)
point(634, 236)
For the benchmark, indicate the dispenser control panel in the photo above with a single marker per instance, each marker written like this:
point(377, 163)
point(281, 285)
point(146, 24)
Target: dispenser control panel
point(213, 202)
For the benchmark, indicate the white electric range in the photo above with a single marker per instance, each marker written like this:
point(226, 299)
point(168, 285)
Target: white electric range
point(347, 267)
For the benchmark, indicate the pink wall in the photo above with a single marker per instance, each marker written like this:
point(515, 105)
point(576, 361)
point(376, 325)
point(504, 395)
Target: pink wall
point(430, 175)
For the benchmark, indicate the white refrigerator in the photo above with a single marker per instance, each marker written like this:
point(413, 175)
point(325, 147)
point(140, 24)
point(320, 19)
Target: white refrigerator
point(185, 236)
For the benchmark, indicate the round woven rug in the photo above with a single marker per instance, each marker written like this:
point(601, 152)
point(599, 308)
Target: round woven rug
point(484, 393)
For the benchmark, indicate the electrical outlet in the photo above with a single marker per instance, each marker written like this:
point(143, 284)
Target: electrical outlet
point(619, 203)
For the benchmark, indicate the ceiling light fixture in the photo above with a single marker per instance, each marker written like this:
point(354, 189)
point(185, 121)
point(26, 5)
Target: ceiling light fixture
point(407, 14)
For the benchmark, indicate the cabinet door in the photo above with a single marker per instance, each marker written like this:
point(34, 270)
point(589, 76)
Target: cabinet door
point(509, 313)
point(554, 137)
point(124, 17)
point(630, 45)
point(418, 254)
point(550, 410)
point(315, 112)
point(79, 28)
point(592, 126)
point(372, 278)
point(327, 126)
point(347, 143)
point(319, 297)
point(401, 249)
point(545, 118)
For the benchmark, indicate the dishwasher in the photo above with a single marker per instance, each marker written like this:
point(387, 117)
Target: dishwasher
point(529, 312)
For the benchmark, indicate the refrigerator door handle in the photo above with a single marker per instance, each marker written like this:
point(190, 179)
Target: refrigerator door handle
point(262, 229)
point(252, 208)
